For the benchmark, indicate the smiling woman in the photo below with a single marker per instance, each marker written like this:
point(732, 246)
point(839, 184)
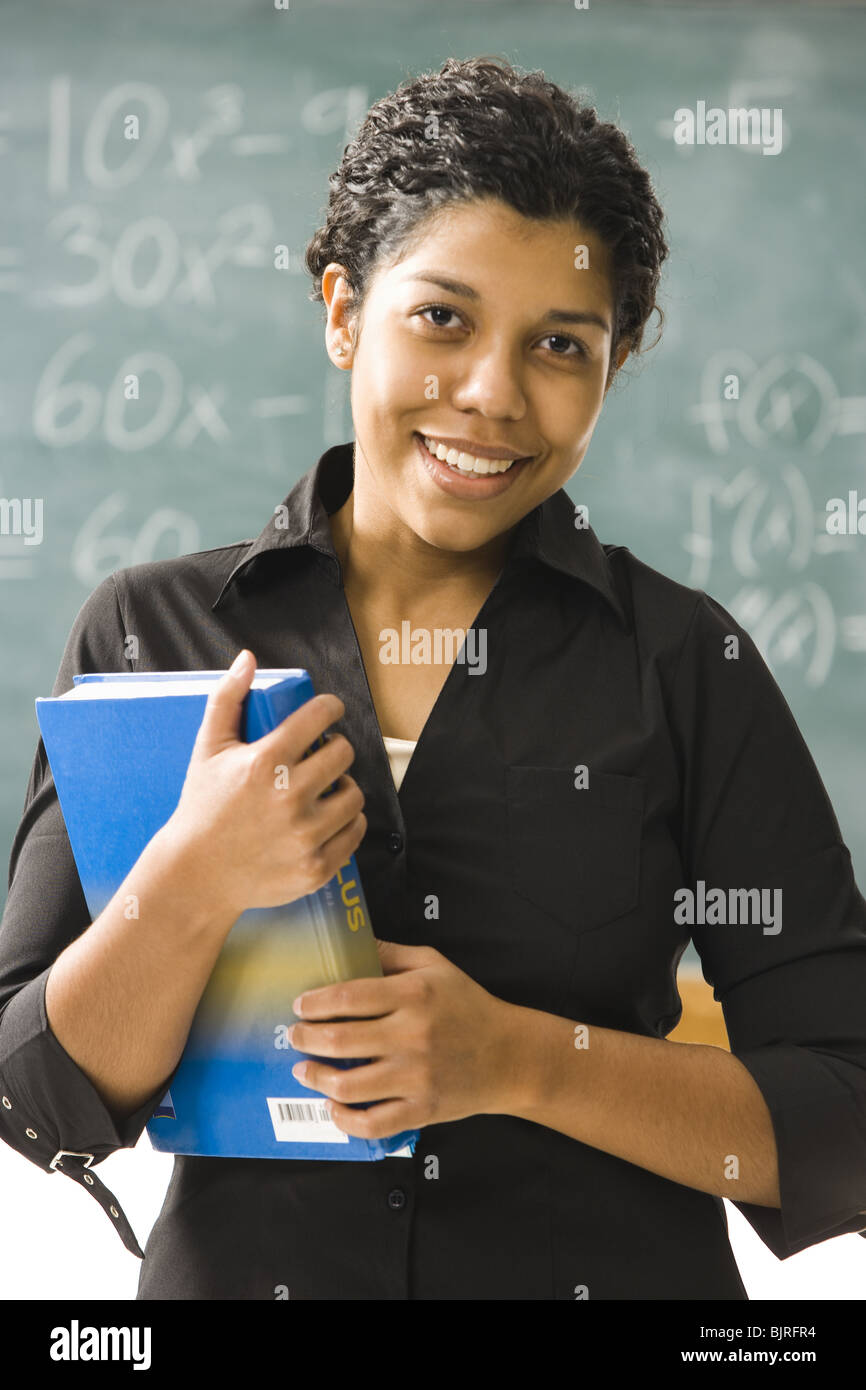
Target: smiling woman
point(490, 257)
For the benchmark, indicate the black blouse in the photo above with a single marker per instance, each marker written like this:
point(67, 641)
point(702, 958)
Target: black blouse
point(552, 897)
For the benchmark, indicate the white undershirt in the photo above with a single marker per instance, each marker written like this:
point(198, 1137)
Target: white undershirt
point(399, 752)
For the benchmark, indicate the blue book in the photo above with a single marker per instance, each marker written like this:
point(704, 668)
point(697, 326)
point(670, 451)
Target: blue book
point(119, 745)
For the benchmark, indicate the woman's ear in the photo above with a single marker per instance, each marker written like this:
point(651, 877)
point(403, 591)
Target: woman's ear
point(337, 295)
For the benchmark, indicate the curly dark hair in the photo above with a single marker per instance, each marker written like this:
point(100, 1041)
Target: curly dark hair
point(519, 138)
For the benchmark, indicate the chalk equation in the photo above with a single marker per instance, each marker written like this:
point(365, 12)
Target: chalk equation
point(68, 407)
point(792, 399)
point(130, 129)
point(130, 134)
point(757, 523)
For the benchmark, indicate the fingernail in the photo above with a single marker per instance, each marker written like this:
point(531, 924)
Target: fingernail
point(238, 662)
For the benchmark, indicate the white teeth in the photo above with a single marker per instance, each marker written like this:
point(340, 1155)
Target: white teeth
point(466, 463)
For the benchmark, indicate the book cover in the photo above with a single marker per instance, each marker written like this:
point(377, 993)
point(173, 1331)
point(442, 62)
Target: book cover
point(119, 745)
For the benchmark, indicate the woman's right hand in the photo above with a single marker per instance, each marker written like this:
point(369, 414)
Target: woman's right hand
point(251, 815)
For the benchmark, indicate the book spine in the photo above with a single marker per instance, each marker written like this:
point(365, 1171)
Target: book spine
point(324, 914)
point(338, 913)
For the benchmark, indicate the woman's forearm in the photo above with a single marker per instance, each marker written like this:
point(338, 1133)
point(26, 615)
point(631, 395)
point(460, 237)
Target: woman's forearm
point(687, 1111)
point(121, 997)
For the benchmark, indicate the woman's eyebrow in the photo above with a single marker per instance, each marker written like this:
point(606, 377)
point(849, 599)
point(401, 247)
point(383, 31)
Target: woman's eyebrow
point(444, 282)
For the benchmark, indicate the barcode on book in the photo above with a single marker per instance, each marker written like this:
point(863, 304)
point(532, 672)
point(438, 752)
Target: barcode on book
point(303, 1122)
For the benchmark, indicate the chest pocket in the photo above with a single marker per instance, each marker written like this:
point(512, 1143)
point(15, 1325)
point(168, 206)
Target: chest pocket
point(573, 852)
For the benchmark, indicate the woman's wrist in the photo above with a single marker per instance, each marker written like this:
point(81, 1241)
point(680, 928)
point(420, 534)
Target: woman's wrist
point(522, 1040)
point(193, 877)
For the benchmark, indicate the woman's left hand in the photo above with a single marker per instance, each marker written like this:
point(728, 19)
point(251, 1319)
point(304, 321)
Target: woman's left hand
point(439, 1043)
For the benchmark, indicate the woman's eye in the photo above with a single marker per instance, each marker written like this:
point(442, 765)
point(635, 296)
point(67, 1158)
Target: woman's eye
point(564, 338)
point(438, 309)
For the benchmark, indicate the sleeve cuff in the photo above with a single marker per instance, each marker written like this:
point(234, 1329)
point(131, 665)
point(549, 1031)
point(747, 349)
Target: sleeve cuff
point(49, 1094)
point(817, 1103)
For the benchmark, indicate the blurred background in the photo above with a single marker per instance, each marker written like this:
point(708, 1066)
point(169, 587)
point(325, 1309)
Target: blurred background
point(163, 168)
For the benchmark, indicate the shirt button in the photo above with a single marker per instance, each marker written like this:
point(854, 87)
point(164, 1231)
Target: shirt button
point(396, 1198)
point(395, 842)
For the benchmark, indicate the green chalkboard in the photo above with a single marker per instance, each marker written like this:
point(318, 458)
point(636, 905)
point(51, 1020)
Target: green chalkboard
point(713, 461)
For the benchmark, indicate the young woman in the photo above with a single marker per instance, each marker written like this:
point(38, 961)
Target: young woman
point(604, 746)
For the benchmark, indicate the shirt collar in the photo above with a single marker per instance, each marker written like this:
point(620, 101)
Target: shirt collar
point(546, 534)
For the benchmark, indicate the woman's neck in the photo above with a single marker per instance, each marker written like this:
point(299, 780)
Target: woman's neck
point(386, 563)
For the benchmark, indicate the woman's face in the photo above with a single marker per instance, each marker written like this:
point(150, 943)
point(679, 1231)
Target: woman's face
point(497, 366)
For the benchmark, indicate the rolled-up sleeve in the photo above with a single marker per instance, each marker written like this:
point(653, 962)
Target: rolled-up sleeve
point(47, 1103)
point(792, 985)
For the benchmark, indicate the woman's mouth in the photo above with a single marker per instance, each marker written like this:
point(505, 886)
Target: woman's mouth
point(465, 475)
